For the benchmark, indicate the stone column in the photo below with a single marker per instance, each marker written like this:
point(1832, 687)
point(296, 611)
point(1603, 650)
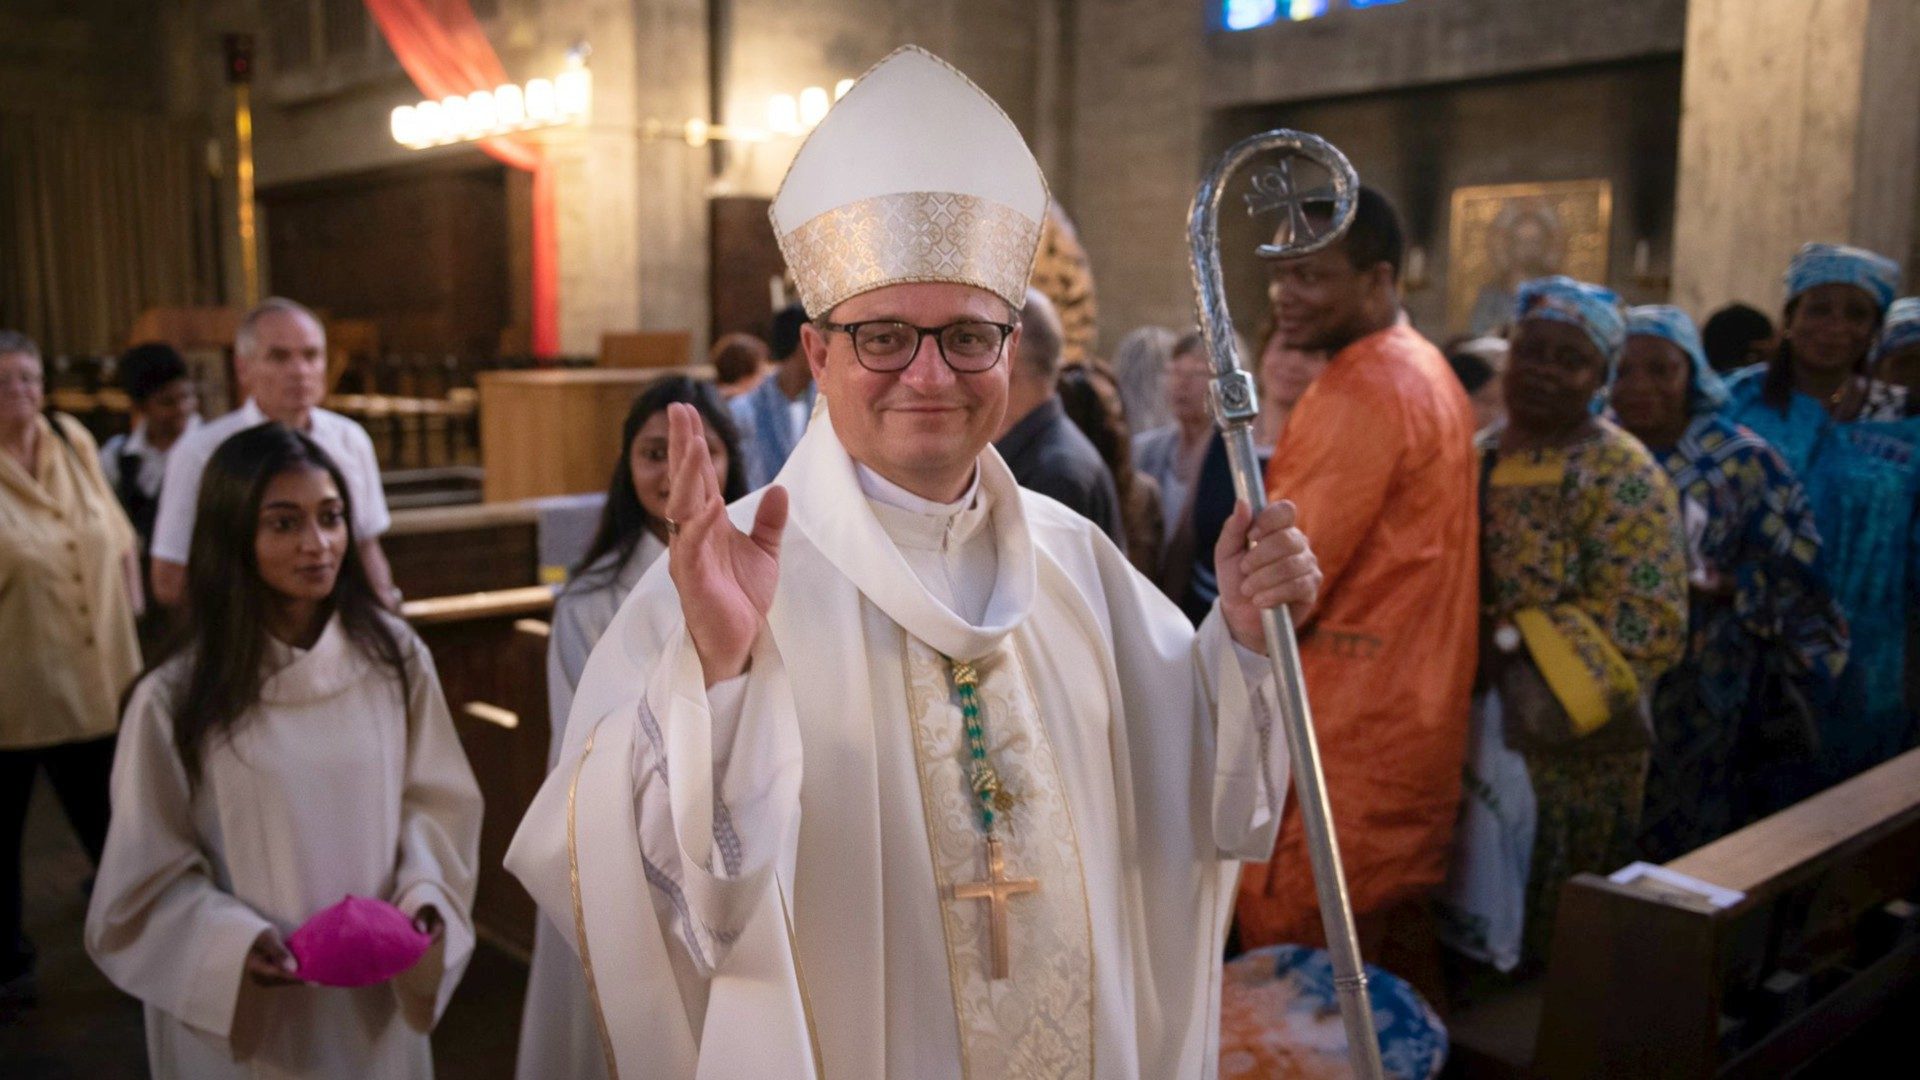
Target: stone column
point(1797, 123)
point(1135, 154)
point(632, 213)
point(670, 58)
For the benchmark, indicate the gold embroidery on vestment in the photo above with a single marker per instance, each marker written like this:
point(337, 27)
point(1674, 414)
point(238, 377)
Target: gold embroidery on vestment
point(1039, 1021)
point(580, 914)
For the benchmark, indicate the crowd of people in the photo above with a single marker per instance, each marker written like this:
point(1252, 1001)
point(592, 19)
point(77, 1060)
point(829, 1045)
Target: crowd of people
point(1647, 583)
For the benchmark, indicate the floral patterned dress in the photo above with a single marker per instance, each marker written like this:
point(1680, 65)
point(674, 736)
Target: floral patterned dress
point(1759, 535)
point(1583, 552)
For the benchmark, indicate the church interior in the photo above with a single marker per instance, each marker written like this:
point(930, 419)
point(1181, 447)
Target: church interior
point(511, 217)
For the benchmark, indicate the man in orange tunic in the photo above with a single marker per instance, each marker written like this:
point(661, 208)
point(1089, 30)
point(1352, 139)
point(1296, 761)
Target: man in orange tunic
point(1378, 456)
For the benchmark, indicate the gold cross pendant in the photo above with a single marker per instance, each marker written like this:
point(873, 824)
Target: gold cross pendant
point(996, 891)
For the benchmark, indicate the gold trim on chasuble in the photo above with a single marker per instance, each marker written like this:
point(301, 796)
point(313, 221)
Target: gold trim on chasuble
point(1038, 1022)
point(580, 913)
point(911, 236)
point(586, 955)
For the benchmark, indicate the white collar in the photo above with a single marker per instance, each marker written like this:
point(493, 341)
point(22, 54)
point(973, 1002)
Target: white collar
point(914, 522)
point(256, 416)
point(831, 508)
point(887, 493)
point(137, 439)
point(302, 676)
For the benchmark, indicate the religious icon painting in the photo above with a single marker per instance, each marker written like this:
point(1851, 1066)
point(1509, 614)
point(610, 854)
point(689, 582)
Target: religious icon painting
point(1504, 234)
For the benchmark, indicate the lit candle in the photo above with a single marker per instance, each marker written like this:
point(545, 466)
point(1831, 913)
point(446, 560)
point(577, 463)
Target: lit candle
point(430, 124)
point(813, 105)
point(573, 92)
point(783, 114)
point(404, 126)
point(509, 105)
point(540, 104)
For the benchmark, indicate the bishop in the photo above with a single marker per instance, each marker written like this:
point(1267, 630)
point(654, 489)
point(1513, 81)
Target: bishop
point(893, 768)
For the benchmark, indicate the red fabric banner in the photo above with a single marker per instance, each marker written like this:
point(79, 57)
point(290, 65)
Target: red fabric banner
point(443, 48)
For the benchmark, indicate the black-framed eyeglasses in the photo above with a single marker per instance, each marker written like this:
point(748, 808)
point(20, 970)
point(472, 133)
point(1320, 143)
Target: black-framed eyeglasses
point(887, 345)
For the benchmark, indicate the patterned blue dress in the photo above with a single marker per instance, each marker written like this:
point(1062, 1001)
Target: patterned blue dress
point(1862, 478)
point(1759, 535)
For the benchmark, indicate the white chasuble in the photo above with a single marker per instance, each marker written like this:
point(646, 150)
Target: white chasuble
point(758, 877)
point(1038, 1021)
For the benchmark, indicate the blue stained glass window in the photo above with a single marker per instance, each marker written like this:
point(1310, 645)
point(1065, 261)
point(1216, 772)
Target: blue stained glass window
point(1247, 14)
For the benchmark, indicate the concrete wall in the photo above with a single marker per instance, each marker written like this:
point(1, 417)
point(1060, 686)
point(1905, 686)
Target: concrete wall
point(1432, 41)
point(1799, 125)
point(632, 231)
point(1619, 123)
point(1136, 154)
point(1155, 85)
point(780, 46)
point(1123, 101)
point(634, 225)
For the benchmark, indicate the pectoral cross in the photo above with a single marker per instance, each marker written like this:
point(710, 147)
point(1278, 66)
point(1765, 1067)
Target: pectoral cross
point(996, 891)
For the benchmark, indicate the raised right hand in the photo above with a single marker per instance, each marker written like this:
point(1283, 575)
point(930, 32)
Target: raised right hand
point(725, 577)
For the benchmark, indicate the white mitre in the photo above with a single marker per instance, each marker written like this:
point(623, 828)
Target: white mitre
point(915, 175)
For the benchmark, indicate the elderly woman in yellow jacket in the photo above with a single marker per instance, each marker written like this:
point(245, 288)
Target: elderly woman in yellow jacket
point(67, 644)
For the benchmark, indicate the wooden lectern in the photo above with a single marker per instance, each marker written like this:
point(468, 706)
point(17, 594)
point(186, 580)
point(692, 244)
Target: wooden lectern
point(556, 431)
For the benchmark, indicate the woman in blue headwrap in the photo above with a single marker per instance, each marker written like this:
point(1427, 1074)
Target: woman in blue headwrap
point(1760, 602)
point(1583, 588)
point(1855, 444)
point(1896, 357)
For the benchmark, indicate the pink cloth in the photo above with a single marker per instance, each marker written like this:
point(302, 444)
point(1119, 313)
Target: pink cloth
point(357, 942)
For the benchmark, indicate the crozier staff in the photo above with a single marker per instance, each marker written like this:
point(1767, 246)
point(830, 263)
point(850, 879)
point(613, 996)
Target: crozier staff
point(866, 777)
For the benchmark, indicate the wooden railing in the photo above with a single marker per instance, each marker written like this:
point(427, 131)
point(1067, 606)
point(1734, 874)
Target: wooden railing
point(1759, 955)
point(490, 649)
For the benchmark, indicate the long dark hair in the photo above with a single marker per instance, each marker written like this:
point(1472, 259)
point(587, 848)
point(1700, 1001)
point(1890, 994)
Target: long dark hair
point(623, 519)
point(1777, 389)
point(1104, 425)
point(225, 622)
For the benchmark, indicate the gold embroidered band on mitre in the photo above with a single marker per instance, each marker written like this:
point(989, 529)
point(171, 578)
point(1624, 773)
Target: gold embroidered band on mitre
point(911, 236)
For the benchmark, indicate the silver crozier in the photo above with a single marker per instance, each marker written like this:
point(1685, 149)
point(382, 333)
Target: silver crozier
point(1301, 231)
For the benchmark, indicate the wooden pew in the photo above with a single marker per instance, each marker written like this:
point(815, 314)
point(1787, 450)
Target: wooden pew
point(450, 550)
point(1819, 939)
point(491, 652)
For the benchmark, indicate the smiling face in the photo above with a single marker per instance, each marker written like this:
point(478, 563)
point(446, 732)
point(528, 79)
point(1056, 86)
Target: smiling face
point(1650, 390)
point(922, 426)
point(647, 458)
point(1552, 374)
point(301, 536)
point(1321, 301)
point(22, 389)
point(1831, 327)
